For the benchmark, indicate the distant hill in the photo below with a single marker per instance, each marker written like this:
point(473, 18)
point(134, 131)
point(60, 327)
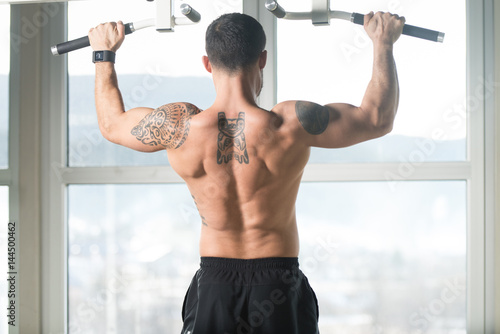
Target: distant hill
point(88, 148)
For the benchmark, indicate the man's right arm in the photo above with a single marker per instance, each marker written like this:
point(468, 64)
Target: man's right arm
point(338, 124)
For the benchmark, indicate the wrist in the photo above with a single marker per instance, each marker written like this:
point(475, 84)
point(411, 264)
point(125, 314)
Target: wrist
point(383, 46)
point(105, 65)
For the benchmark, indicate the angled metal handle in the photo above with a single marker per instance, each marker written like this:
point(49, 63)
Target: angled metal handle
point(190, 16)
point(409, 30)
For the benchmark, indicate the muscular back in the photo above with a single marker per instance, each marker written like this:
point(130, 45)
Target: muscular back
point(243, 168)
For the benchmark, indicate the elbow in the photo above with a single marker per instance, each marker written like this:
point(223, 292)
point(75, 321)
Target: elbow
point(385, 128)
point(107, 132)
point(383, 123)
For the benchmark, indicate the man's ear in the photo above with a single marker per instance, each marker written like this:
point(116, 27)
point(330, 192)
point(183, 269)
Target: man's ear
point(206, 64)
point(263, 59)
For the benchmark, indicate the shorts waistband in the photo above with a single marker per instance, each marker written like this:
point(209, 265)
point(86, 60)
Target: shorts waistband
point(251, 264)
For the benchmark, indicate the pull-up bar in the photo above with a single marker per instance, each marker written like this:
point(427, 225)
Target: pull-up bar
point(165, 21)
point(321, 15)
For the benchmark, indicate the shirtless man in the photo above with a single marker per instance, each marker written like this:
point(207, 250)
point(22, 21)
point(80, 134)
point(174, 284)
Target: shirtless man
point(243, 166)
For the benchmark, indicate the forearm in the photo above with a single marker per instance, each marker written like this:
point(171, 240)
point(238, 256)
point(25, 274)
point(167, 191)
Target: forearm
point(382, 94)
point(108, 99)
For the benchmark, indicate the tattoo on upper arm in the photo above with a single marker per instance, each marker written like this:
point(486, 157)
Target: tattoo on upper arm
point(167, 126)
point(231, 141)
point(313, 117)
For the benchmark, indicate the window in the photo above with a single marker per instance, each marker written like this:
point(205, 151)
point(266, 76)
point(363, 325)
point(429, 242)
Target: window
point(431, 121)
point(384, 243)
point(131, 257)
point(4, 83)
point(385, 260)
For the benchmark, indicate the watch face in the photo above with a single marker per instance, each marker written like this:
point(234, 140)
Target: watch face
point(100, 56)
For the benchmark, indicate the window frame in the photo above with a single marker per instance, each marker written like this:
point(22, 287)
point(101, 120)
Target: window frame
point(475, 170)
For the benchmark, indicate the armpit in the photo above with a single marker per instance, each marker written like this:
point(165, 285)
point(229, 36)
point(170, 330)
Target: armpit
point(167, 126)
point(313, 117)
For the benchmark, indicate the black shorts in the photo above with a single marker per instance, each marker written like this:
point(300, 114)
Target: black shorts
point(262, 296)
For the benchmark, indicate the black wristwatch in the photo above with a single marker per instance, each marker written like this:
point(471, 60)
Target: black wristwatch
point(106, 55)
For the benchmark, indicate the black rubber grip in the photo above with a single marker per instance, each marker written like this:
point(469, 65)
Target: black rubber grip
point(73, 45)
point(82, 42)
point(191, 14)
point(408, 30)
point(275, 8)
point(430, 35)
point(279, 12)
point(358, 18)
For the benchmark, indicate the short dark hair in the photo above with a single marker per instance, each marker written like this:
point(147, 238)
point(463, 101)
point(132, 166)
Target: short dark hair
point(234, 42)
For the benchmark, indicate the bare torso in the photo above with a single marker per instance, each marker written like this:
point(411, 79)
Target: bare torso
point(243, 168)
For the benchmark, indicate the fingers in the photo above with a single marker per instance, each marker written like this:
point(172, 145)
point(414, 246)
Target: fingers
point(110, 25)
point(384, 15)
point(107, 36)
point(384, 27)
point(368, 17)
point(397, 17)
point(380, 17)
point(121, 28)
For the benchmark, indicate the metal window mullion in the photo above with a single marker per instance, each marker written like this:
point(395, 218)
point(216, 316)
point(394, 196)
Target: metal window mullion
point(392, 173)
point(14, 111)
point(386, 172)
point(476, 196)
point(257, 9)
point(53, 124)
point(118, 175)
point(489, 177)
point(5, 176)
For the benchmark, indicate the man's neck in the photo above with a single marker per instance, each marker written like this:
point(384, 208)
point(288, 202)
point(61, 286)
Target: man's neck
point(235, 92)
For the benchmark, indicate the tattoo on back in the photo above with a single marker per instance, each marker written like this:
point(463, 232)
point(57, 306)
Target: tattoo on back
point(231, 142)
point(203, 220)
point(313, 117)
point(167, 126)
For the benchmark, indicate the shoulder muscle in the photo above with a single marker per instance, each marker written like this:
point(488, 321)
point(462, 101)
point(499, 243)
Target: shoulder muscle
point(313, 117)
